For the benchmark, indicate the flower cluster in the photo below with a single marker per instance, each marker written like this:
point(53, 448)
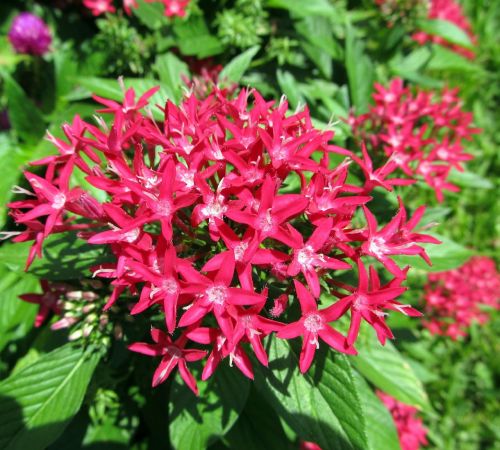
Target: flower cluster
point(450, 11)
point(29, 34)
point(228, 209)
point(411, 431)
point(421, 133)
point(453, 299)
point(173, 8)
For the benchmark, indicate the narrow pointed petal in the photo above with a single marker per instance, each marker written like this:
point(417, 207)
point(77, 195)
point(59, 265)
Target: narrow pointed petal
point(290, 331)
point(226, 270)
point(307, 301)
point(307, 353)
point(145, 349)
point(188, 377)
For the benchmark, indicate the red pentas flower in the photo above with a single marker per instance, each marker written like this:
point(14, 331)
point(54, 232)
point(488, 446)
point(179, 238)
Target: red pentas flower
point(313, 325)
point(411, 432)
point(422, 134)
point(173, 353)
point(205, 234)
point(454, 299)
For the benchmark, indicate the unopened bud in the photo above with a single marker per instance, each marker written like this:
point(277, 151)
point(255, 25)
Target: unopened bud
point(75, 335)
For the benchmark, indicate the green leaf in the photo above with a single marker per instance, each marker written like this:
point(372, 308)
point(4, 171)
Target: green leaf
point(304, 9)
point(445, 256)
point(290, 88)
point(470, 180)
point(412, 63)
point(26, 119)
point(360, 71)
point(194, 38)
point(380, 429)
point(65, 257)
point(170, 69)
point(446, 30)
point(387, 369)
point(66, 69)
point(38, 402)
point(17, 316)
point(8, 57)
point(236, 68)
point(11, 173)
point(321, 405)
point(445, 59)
point(150, 14)
point(196, 422)
point(318, 32)
point(257, 428)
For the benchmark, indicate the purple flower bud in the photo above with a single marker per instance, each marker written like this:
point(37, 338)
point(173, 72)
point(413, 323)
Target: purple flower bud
point(29, 34)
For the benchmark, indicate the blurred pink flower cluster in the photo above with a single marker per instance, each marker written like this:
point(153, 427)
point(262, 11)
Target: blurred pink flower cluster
point(411, 431)
point(422, 133)
point(173, 8)
point(224, 211)
point(453, 299)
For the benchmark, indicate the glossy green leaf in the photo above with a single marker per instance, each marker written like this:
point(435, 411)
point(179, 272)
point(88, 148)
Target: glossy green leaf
point(304, 9)
point(290, 88)
point(380, 429)
point(360, 71)
point(65, 257)
point(171, 69)
point(26, 119)
point(150, 14)
point(194, 38)
point(386, 368)
point(236, 68)
point(322, 405)
point(445, 256)
point(17, 317)
point(258, 427)
point(10, 175)
point(196, 422)
point(37, 403)
point(445, 59)
point(470, 180)
point(446, 30)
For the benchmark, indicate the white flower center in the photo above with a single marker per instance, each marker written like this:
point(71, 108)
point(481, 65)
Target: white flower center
point(313, 322)
point(214, 209)
point(131, 236)
point(239, 251)
point(151, 181)
point(377, 246)
point(163, 208)
point(442, 153)
point(170, 286)
point(306, 257)
point(216, 294)
point(266, 222)
point(361, 302)
point(59, 201)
